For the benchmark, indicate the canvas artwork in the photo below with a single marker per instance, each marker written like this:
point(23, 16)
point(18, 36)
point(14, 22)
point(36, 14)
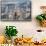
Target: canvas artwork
point(16, 10)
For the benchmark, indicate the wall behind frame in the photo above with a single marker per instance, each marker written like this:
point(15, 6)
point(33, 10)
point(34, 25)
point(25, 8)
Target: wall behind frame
point(29, 27)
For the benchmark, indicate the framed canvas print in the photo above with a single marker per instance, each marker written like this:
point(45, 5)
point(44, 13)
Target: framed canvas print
point(13, 10)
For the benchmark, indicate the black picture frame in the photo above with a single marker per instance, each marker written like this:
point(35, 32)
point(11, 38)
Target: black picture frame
point(16, 11)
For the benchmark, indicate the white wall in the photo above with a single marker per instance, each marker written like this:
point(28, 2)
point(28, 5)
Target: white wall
point(29, 27)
